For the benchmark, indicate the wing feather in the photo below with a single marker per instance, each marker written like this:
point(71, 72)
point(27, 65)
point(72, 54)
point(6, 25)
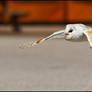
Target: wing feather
point(88, 33)
point(54, 35)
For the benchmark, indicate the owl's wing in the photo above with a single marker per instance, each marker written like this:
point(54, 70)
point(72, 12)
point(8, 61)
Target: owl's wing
point(88, 33)
point(54, 35)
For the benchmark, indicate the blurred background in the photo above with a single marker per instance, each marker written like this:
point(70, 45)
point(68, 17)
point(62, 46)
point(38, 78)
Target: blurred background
point(16, 12)
point(55, 65)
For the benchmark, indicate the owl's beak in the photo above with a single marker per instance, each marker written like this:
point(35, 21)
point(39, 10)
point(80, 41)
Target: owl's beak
point(66, 33)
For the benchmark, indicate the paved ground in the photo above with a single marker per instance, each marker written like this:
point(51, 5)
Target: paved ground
point(55, 65)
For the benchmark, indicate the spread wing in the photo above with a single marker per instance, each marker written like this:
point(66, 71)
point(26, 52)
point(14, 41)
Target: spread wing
point(54, 35)
point(88, 33)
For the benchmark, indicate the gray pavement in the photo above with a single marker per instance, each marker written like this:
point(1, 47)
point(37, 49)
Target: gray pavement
point(53, 65)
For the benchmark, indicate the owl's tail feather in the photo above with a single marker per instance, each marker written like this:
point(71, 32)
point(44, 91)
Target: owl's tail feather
point(54, 35)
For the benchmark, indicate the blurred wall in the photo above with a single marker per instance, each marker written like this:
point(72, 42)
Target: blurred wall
point(79, 11)
point(51, 12)
point(39, 11)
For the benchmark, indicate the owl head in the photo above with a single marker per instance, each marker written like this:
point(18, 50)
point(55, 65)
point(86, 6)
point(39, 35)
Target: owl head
point(74, 32)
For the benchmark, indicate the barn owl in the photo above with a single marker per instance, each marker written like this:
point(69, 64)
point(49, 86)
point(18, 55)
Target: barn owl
point(72, 32)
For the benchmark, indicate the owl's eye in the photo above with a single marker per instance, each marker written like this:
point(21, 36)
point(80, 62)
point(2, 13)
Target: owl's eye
point(71, 30)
